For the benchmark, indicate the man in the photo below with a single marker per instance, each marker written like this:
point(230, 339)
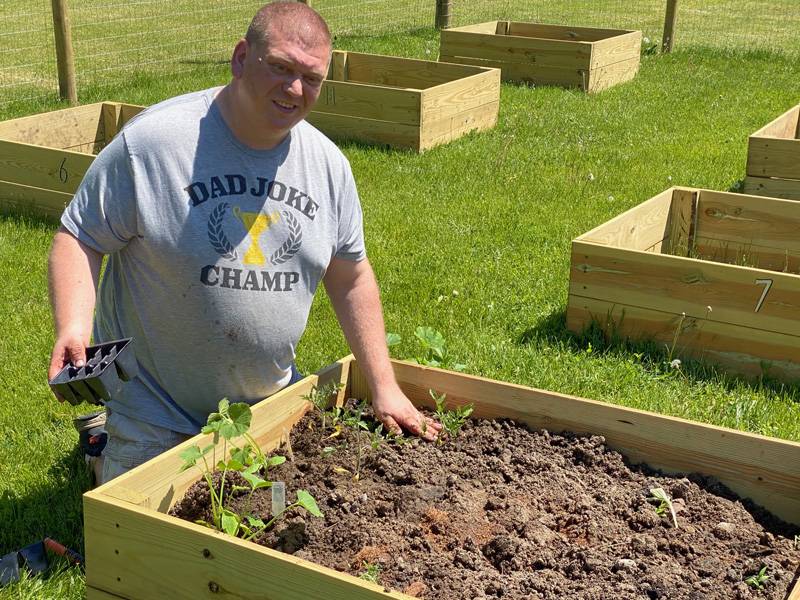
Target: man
point(220, 212)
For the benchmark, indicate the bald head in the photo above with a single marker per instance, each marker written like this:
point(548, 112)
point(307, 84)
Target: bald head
point(294, 18)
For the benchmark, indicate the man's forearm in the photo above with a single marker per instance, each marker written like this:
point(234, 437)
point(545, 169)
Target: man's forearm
point(358, 308)
point(73, 273)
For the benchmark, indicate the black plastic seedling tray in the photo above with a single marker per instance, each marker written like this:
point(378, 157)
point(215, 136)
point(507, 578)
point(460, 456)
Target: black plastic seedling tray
point(107, 367)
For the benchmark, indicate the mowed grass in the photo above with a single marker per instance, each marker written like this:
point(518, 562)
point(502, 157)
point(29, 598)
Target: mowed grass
point(471, 238)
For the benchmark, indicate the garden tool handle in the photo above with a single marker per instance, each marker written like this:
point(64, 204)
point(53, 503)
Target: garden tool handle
point(61, 550)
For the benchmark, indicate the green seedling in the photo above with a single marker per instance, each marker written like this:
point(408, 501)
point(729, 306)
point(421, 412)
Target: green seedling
point(232, 421)
point(664, 504)
point(320, 397)
point(757, 581)
point(371, 572)
point(452, 420)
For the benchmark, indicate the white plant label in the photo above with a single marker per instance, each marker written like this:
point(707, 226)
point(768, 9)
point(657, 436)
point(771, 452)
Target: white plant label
point(767, 283)
point(278, 497)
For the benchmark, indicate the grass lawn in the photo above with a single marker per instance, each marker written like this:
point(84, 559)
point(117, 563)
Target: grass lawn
point(471, 238)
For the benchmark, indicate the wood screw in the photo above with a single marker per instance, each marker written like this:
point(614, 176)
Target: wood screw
point(206, 553)
point(213, 586)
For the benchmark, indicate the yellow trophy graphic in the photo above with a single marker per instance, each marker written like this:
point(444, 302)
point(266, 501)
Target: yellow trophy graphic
point(255, 223)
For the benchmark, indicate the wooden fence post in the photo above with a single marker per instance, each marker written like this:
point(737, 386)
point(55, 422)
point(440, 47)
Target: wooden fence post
point(66, 63)
point(670, 18)
point(443, 13)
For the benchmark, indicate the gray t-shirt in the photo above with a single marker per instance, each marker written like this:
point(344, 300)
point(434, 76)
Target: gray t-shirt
point(216, 251)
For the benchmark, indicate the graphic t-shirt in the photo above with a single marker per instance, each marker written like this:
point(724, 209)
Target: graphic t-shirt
point(215, 252)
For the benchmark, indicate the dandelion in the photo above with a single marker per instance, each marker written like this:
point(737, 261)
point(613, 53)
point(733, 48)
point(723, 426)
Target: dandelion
point(455, 292)
point(611, 198)
point(675, 363)
point(590, 177)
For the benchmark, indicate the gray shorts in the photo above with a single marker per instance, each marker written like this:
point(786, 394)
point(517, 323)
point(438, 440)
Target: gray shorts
point(132, 442)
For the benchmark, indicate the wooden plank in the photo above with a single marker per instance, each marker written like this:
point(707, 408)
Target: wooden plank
point(773, 157)
point(526, 72)
point(370, 102)
point(566, 54)
point(127, 112)
point(605, 77)
point(746, 255)
point(370, 131)
point(764, 469)
point(38, 166)
point(682, 285)
point(57, 129)
point(750, 352)
point(616, 49)
point(785, 126)
point(639, 228)
point(740, 220)
point(681, 223)
point(158, 484)
point(486, 27)
point(788, 189)
point(447, 100)
point(563, 32)
point(111, 115)
point(25, 198)
point(338, 68)
point(142, 554)
point(403, 72)
point(449, 128)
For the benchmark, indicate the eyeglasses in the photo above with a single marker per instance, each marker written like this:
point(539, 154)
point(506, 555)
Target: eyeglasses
point(283, 70)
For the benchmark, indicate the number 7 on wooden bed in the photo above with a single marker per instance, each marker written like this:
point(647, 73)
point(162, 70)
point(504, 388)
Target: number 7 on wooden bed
point(767, 283)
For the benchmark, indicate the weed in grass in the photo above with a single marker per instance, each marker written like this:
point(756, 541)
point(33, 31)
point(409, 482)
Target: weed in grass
point(434, 348)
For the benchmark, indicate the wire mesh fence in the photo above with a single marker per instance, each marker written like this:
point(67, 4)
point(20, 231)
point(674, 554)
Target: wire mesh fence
point(113, 39)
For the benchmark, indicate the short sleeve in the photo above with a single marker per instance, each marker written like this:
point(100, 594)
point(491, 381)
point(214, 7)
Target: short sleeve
point(350, 244)
point(103, 212)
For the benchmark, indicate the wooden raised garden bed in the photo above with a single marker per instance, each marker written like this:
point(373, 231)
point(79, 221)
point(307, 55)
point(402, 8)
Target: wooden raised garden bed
point(135, 550)
point(773, 158)
point(43, 157)
point(712, 275)
point(589, 58)
point(404, 103)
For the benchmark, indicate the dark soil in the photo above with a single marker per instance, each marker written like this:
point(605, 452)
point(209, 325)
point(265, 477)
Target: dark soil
point(505, 512)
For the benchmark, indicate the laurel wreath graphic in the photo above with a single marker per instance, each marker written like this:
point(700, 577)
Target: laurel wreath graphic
point(292, 244)
point(217, 236)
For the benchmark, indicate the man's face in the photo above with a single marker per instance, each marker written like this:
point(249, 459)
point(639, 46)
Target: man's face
point(281, 82)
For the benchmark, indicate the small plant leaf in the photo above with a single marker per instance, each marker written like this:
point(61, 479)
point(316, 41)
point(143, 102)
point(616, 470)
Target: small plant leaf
point(328, 450)
point(393, 339)
point(190, 456)
point(230, 522)
point(274, 461)
point(255, 522)
point(307, 501)
point(665, 503)
point(238, 421)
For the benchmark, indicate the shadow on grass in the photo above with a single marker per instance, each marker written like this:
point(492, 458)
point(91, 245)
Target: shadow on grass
point(53, 509)
point(652, 355)
point(20, 215)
